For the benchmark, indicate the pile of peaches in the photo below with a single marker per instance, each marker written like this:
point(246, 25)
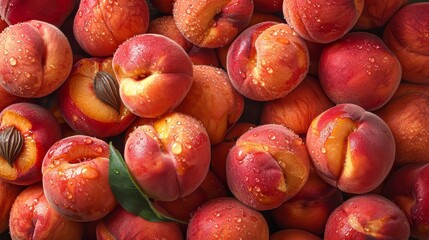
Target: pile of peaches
point(214, 119)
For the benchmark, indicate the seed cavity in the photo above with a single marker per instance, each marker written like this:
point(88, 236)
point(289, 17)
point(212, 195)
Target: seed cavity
point(107, 89)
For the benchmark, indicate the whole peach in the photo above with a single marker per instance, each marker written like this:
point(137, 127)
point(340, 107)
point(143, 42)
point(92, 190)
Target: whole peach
point(147, 65)
point(33, 217)
point(101, 26)
point(370, 72)
point(37, 59)
point(351, 148)
point(267, 61)
point(227, 218)
point(75, 178)
point(322, 21)
point(8, 194)
point(170, 157)
point(268, 165)
point(407, 35)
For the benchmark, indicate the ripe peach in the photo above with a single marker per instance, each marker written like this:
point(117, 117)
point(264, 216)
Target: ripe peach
point(407, 35)
point(120, 224)
point(213, 101)
point(351, 148)
point(101, 26)
point(8, 194)
point(212, 23)
point(27, 131)
point(147, 65)
point(370, 72)
point(16, 11)
point(75, 178)
point(89, 100)
point(268, 165)
point(170, 157)
point(293, 234)
point(37, 59)
point(227, 218)
point(297, 109)
point(406, 188)
point(32, 217)
point(367, 216)
point(322, 21)
point(267, 61)
point(407, 117)
point(376, 13)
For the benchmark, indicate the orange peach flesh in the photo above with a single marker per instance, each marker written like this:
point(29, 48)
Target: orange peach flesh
point(26, 158)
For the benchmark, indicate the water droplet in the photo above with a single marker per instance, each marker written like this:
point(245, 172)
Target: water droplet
point(89, 173)
point(116, 171)
point(176, 148)
point(371, 59)
point(272, 137)
point(5, 52)
point(269, 70)
point(256, 170)
point(12, 61)
point(52, 66)
point(99, 149)
point(323, 149)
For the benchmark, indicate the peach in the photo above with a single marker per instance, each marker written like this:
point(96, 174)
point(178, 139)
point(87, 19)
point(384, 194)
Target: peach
point(148, 64)
point(37, 59)
point(9, 192)
point(322, 21)
point(3, 24)
point(310, 208)
point(166, 26)
point(32, 217)
point(120, 224)
point(408, 87)
point(27, 131)
point(406, 188)
point(297, 109)
point(101, 26)
point(75, 178)
point(213, 100)
point(293, 234)
point(212, 23)
point(370, 72)
point(407, 35)
point(16, 11)
point(376, 13)
point(367, 216)
point(89, 100)
point(351, 148)
point(267, 61)
point(268, 165)
point(170, 157)
point(227, 218)
point(406, 116)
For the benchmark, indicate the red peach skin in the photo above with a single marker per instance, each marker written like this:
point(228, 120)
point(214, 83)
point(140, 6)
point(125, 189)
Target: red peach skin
point(268, 165)
point(148, 65)
point(351, 148)
point(37, 59)
point(267, 61)
point(376, 13)
point(101, 26)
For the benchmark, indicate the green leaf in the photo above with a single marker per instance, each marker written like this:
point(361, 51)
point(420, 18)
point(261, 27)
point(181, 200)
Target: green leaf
point(127, 192)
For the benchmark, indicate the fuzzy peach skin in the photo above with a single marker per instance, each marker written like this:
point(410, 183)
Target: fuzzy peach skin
point(8, 194)
point(376, 13)
point(267, 61)
point(351, 148)
point(407, 35)
point(39, 130)
point(367, 216)
point(53, 12)
point(212, 23)
point(297, 109)
point(407, 117)
point(37, 59)
point(310, 208)
point(148, 65)
point(406, 187)
point(101, 26)
point(32, 217)
point(170, 157)
point(293, 234)
point(370, 72)
point(268, 165)
point(322, 21)
point(213, 100)
point(83, 110)
point(227, 218)
point(75, 178)
point(120, 224)
point(166, 26)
